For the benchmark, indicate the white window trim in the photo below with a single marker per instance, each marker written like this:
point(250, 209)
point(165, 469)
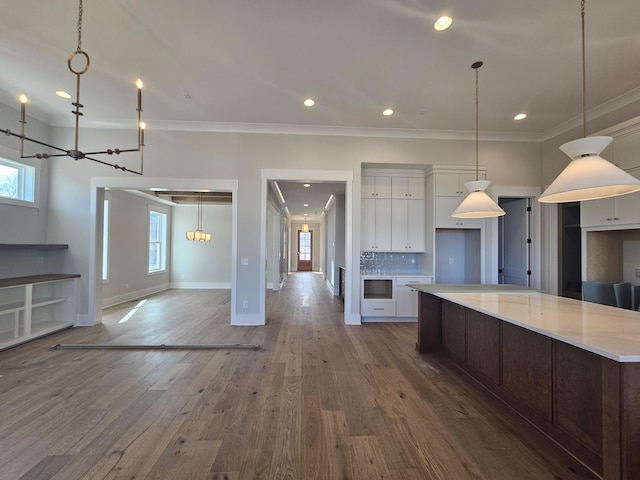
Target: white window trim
point(165, 211)
point(14, 156)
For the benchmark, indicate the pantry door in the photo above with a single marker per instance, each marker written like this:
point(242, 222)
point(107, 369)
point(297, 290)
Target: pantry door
point(305, 244)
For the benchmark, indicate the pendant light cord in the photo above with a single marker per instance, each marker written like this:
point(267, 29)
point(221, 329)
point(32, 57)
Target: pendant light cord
point(476, 66)
point(584, 76)
point(477, 135)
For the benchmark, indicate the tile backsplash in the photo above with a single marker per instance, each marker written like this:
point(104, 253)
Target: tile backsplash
point(390, 263)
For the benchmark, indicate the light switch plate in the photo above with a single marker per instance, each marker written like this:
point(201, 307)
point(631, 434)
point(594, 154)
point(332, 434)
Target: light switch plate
point(244, 261)
point(637, 272)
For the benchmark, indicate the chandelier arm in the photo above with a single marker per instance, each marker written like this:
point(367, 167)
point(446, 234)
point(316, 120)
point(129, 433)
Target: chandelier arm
point(114, 165)
point(29, 139)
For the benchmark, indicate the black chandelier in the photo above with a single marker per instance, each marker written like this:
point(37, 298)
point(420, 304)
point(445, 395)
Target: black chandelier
point(75, 152)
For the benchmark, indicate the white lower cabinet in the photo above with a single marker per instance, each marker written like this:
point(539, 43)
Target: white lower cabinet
point(407, 296)
point(378, 308)
point(34, 306)
point(401, 302)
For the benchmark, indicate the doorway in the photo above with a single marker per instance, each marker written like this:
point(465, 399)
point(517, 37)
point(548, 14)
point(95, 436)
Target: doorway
point(305, 249)
point(514, 242)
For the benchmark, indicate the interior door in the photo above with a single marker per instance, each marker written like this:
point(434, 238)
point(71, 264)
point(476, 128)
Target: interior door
point(514, 244)
point(305, 244)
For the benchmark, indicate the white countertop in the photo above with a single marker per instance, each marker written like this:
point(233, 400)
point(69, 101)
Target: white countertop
point(608, 331)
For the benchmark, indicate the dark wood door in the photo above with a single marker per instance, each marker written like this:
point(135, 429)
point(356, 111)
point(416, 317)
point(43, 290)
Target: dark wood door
point(305, 244)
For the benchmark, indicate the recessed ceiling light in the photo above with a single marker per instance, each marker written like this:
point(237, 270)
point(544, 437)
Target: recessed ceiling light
point(443, 23)
point(520, 116)
point(63, 94)
point(309, 102)
point(305, 205)
point(387, 112)
point(307, 185)
point(305, 214)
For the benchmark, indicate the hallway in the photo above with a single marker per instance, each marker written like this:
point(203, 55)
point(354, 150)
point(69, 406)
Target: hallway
point(318, 400)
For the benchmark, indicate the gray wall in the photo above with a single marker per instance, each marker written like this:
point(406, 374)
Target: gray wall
point(242, 156)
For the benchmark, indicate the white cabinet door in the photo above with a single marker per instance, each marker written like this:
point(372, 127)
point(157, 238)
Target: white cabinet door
point(375, 231)
point(407, 296)
point(408, 188)
point(623, 210)
point(375, 187)
point(407, 225)
point(368, 224)
point(626, 209)
point(445, 207)
point(452, 184)
point(415, 225)
point(383, 224)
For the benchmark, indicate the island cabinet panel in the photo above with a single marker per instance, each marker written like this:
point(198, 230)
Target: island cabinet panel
point(483, 344)
point(527, 370)
point(430, 329)
point(454, 336)
point(630, 437)
point(578, 395)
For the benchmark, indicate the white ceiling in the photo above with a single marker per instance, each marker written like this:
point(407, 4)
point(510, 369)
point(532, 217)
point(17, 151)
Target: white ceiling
point(250, 64)
point(316, 196)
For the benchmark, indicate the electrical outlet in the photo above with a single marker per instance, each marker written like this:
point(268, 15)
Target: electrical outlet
point(637, 272)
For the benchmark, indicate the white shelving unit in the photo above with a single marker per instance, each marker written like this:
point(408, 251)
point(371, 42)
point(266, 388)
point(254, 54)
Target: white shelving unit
point(36, 305)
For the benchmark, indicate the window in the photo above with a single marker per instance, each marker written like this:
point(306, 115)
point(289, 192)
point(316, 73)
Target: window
point(157, 241)
point(17, 182)
point(105, 242)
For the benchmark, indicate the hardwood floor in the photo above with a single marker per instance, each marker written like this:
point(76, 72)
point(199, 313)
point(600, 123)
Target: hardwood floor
point(318, 401)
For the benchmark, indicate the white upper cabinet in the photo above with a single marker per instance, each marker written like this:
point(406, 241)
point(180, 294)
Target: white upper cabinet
point(375, 187)
point(375, 234)
point(407, 188)
point(452, 184)
point(407, 225)
point(623, 210)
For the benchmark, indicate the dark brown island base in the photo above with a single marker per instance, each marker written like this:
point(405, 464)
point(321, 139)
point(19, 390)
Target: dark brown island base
point(571, 368)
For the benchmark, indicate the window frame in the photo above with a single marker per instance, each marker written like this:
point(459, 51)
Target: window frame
point(30, 171)
point(106, 239)
point(163, 233)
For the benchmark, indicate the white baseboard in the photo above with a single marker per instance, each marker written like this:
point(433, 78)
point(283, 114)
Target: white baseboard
point(389, 319)
point(353, 319)
point(82, 320)
point(133, 295)
point(202, 285)
point(247, 320)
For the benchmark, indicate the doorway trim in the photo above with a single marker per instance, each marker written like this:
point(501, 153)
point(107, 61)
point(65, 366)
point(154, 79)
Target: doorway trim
point(98, 186)
point(533, 193)
point(267, 175)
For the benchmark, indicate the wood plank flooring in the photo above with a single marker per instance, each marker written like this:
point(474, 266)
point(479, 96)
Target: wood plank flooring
point(319, 400)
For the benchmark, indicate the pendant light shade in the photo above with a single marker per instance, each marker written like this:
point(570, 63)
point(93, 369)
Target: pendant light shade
point(477, 204)
point(305, 228)
point(588, 176)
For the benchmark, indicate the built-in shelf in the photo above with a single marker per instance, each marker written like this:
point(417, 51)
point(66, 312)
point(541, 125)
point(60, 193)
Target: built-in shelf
point(32, 306)
point(33, 246)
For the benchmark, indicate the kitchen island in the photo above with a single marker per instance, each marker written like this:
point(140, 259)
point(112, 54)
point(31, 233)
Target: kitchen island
point(571, 368)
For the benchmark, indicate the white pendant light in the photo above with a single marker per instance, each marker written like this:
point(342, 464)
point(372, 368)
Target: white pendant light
point(477, 204)
point(588, 176)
